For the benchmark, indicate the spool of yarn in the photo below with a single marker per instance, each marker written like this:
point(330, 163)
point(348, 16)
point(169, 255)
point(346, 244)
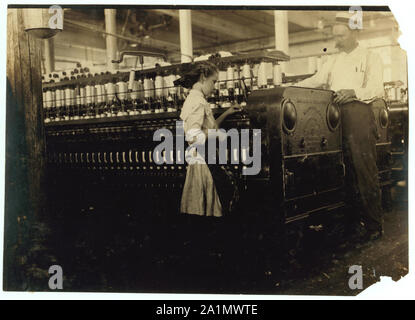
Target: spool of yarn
point(277, 75)
point(122, 89)
point(262, 75)
point(230, 76)
point(159, 86)
point(110, 91)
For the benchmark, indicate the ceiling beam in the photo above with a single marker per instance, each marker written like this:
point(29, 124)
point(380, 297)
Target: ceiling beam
point(299, 38)
point(71, 34)
point(268, 42)
point(303, 19)
point(256, 19)
point(78, 53)
point(309, 18)
point(214, 23)
point(173, 35)
point(142, 42)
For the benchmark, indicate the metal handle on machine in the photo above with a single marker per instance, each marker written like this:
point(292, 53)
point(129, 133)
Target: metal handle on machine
point(302, 143)
point(389, 158)
point(140, 54)
point(245, 89)
point(344, 169)
point(289, 177)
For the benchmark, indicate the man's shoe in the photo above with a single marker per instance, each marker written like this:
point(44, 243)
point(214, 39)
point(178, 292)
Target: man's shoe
point(373, 235)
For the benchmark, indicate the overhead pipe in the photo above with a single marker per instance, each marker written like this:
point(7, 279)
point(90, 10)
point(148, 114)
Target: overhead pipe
point(118, 36)
point(139, 53)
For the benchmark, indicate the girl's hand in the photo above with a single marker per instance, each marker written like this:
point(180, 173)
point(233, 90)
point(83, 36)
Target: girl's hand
point(233, 109)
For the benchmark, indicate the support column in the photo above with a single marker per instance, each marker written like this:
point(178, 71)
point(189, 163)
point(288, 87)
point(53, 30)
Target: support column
point(281, 40)
point(25, 201)
point(186, 43)
point(112, 45)
point(49, 55)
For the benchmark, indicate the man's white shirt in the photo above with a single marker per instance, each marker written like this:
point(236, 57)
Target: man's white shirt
point(360, 70)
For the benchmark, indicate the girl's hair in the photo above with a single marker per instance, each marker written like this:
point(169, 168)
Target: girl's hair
point(193, 73)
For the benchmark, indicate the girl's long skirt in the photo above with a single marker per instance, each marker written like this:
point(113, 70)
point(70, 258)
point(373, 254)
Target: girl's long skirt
point(207, 194)
point(200, 196)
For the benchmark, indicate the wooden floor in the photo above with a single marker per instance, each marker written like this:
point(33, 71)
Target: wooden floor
point(124, 253)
